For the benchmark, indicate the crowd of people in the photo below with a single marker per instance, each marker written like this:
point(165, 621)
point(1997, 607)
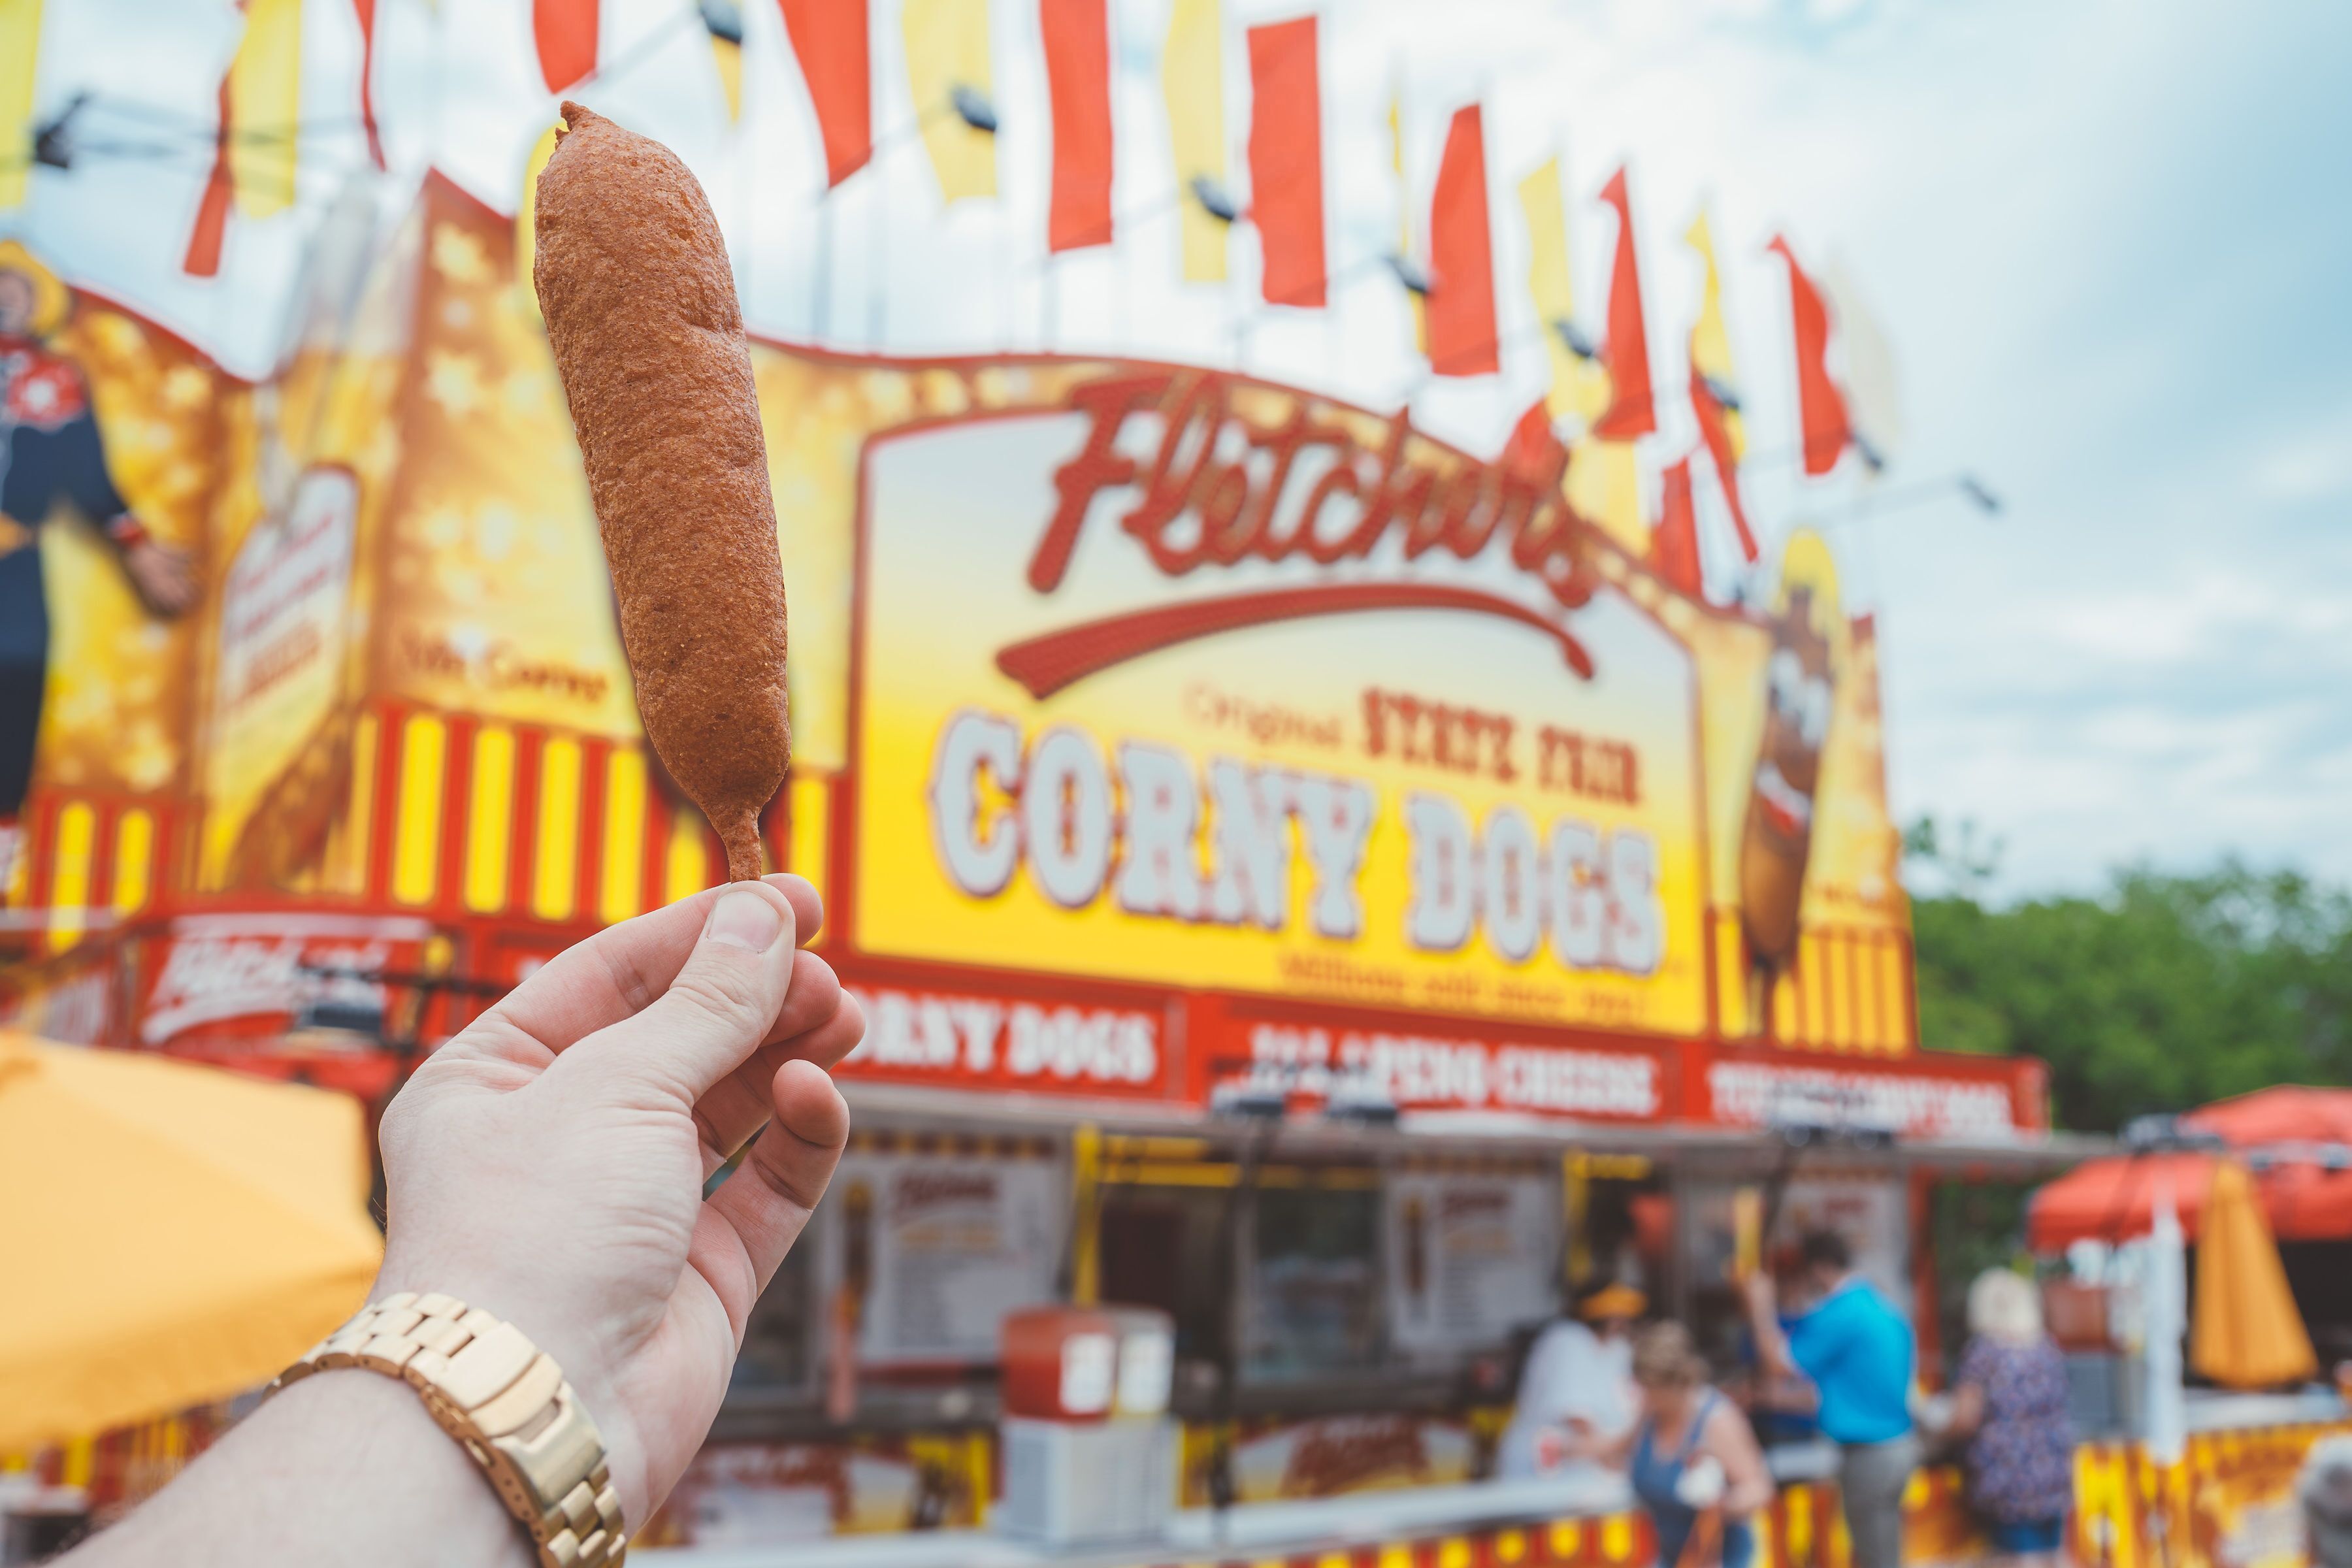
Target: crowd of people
point(1607, 1385)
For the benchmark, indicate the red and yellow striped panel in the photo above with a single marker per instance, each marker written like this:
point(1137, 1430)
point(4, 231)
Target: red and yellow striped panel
point(471, 817)
point(90, 860)
point(1612, 1540)
point(445, 815)
point(1849, 993)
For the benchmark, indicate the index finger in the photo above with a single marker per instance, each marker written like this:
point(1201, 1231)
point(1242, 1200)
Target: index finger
point(617, 973)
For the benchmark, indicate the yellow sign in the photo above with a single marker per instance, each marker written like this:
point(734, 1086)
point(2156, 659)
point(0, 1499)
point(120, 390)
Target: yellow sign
point(1204, 682)
point(1099, 669)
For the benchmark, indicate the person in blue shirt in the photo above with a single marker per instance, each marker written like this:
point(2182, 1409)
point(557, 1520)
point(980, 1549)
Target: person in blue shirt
point(1860, 1352)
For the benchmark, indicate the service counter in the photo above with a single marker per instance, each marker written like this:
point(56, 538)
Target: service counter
point(1537, 1522)
point(1350, 1302)
point(2229, 1502)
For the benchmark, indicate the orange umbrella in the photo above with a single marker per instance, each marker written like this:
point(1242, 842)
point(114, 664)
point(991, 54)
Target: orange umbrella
point(2246, 1332)
point(2284, 1113)
point(2113, 1199)
point(170, 1234)
point(2110, 1199)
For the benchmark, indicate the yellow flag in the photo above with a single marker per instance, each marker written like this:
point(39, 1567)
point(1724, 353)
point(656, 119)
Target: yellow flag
point(20, 48)
point(1580, 387)
point(1710, 343)
point(1193, 78)
point(1604, 484)
point(1551, 284)
point(526, 218)
point(265, 93)
point(1404, 213)
point(947, 48)
point(727, 56)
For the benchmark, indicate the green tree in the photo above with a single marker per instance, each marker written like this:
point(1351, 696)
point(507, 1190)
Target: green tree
point(2163, 992)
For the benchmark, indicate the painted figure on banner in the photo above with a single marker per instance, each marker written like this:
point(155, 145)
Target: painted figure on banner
point(1801, 694)
point(52, 460)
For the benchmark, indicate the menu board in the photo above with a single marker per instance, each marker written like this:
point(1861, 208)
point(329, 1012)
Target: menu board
point(1470, 1259)
point(926, 1253)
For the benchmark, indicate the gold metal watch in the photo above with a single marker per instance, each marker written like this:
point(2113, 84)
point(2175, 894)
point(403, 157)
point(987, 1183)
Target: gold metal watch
point(492, 1390)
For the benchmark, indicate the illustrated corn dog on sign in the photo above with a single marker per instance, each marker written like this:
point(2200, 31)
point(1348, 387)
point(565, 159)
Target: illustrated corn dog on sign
point(634, 281)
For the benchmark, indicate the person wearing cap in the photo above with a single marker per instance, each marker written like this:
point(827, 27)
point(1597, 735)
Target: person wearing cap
point(1579, 1381)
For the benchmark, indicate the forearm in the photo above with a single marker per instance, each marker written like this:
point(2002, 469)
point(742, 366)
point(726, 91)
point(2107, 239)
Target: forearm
point(1747, 1496)
point(343, 1468)
point(1771, 1345)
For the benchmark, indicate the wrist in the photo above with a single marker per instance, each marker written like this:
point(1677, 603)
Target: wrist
point(514, 1297)
point(342, 1457)
point(377, 1432)
point(504, 1401)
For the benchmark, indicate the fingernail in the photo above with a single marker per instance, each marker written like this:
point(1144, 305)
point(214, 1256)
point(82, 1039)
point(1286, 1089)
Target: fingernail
point(744, 919)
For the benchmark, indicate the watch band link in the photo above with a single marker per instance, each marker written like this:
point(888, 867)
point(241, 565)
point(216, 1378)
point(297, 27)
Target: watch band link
point(491, 1389)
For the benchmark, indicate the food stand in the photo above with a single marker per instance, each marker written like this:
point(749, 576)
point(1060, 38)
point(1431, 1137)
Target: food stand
point(1298, 874)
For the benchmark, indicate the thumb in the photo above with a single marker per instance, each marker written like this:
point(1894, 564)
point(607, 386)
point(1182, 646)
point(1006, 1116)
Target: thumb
point(717, 1009)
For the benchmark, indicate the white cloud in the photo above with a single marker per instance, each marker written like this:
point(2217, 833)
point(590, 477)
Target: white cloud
point(2313, 464)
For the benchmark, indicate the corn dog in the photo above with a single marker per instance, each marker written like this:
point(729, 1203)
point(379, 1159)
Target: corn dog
point(634, 281)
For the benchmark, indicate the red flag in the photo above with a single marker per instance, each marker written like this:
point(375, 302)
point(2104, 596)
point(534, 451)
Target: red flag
point(1821, 407)
point(1626, 353)
point(1673, 543)
point(830, 38)
point(1078, 81)
point(1462, 336)
point(204, 254)
point(1533, 454)
point(1717, 434)
point(366, 10)
point(565, 31)
point(1286, 161)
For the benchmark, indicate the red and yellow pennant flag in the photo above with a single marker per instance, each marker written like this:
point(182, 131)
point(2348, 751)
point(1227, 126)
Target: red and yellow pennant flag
point(566, 34)
point(1820, 406)
point(1714, 382)
point(365, 11)
point(1632, 409)
point(947, 48)
point(1462, 340)
point(1286, 159)
point(1673, 543)
point(1192, 84)
point(1532, 454)
point(1579, 388)
point(1077, 78)
point(830, 38)
point(264, 84)
point(209, 233)
point(727, 65)
point(1404, 213)
point(256, 148)
point(1605, 482)
point(20, 49)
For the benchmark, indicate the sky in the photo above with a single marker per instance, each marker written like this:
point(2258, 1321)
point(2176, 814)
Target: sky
point(2108, 242)
point(2111, 243)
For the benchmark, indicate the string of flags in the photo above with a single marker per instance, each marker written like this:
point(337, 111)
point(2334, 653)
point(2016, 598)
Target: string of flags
point(1605, 389)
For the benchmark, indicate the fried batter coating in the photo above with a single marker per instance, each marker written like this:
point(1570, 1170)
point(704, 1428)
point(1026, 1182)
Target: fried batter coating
point(633, 281)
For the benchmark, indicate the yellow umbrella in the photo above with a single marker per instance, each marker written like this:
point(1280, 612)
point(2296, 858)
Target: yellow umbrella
point(171, 1233)
point(2247, 1333)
